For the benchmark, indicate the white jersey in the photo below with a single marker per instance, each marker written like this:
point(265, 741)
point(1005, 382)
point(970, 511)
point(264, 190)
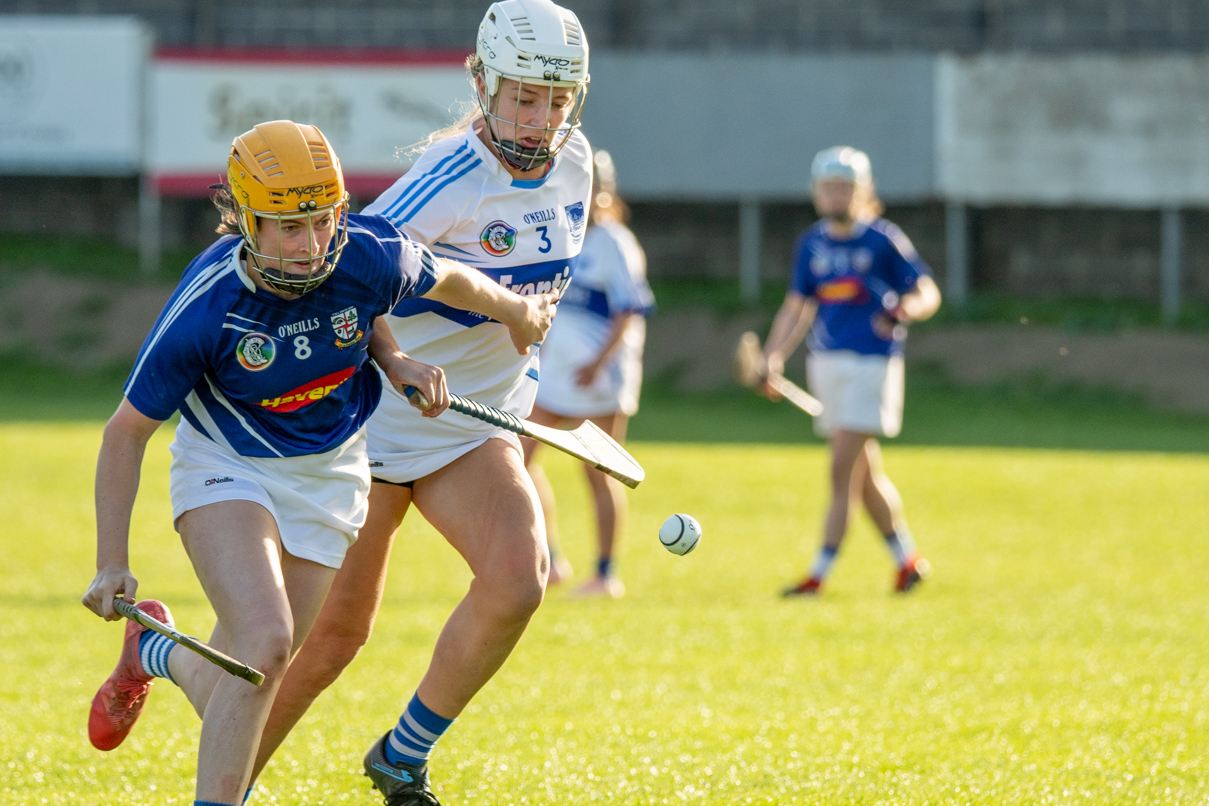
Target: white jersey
point(526, 235)
point(610, 280)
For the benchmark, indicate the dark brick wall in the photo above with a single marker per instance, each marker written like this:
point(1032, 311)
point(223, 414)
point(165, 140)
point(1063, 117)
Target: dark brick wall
point(702, 240)
point(785, 25)
point(1019, 251)
point(1196, 255)
point(105, 208)
point(1084, 252)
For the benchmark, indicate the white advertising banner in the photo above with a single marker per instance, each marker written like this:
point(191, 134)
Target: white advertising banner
point(71, 94)
point(371, 108)
point(1073, 130)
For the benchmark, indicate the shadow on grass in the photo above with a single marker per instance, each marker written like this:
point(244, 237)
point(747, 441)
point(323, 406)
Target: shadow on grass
point(1033, 413)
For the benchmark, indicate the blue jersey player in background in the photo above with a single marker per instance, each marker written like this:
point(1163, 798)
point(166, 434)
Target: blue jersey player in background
point(856, 283)
point(263, 349)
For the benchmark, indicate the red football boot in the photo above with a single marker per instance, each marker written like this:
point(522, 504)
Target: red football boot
point(807, 587)
point(914, 572)
point(117, 705)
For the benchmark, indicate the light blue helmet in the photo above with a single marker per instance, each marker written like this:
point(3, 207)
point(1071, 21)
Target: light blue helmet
point(842, 162)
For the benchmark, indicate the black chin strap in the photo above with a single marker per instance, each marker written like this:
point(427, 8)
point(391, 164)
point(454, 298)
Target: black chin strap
point(522, 158)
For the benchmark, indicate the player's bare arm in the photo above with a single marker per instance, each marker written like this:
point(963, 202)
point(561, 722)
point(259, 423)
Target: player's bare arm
point(403, 372)
point(618, 325)
point(121, 457)
point(922, 301)
point(789, 327)
point(917, 305)
point(527, 317)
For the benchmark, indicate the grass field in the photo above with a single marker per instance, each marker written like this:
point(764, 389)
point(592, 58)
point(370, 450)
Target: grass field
point(1060, 655)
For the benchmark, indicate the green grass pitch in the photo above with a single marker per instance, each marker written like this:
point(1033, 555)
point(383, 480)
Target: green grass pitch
point(1059, 656)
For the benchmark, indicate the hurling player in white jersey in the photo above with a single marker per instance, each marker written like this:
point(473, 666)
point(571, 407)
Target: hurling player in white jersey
point(592, 367)
point(263, 350)
point(506, 191)
point(857, 281)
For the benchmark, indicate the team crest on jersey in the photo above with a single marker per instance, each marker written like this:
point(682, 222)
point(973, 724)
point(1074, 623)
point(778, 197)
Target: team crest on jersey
point(819, 265)
point(862, 260)
point(498, 238)
point(255, 351)
point(345, 324)
point(575, 218)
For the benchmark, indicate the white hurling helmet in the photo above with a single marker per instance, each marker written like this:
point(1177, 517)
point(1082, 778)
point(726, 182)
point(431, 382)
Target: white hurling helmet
point(842, 162)
point(538, 44)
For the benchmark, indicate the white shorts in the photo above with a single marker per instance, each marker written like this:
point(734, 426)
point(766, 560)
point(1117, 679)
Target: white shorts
point(405, 446)
point(571, 345)
point(319, 502)
point(861, 393)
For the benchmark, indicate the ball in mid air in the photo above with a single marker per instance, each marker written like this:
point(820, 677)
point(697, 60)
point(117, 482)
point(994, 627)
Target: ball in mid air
point(680, 533)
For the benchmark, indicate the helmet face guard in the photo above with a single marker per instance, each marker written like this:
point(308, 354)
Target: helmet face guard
point(287, 172)
point(542, 47)
point(553, 136)
point(273, 268)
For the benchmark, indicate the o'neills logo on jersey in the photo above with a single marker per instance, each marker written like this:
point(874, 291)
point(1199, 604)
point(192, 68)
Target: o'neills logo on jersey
point(498, 238)
point(255, 351)
point(345, 324)
point(309, 393)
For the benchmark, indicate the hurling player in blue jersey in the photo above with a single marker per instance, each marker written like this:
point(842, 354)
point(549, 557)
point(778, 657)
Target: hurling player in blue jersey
point(858, 281)
point(505, 191)
point(263, 350)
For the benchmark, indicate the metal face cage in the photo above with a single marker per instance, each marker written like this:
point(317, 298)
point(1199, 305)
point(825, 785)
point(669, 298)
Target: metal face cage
point(273, 268)
point(553, 138)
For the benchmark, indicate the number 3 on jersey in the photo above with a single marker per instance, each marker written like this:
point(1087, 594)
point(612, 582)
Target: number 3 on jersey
point(302, 347)
point(545, 240)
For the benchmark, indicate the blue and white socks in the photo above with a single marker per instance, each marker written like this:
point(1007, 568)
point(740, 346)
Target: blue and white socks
point(414, 736)
point(901, 546)
point(153, 654)
point(822, 562)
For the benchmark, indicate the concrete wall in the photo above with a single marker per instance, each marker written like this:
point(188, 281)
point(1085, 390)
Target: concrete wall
point(1101, 130)
point(725, 127)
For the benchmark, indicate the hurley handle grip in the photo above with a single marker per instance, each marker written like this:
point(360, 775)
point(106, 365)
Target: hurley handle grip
point(472, 408)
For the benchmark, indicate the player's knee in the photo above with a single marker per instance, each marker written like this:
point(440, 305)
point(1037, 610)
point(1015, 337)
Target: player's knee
point(518, 591)
point(269, 647)
point(523, 602)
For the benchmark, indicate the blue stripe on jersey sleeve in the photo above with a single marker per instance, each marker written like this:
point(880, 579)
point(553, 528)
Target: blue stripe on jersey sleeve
point(452, 248)
point(395, 212)
point(418, 207)
point(412, 188)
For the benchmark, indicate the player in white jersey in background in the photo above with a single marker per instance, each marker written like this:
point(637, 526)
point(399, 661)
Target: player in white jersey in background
point(506, 192)
point(856, 283)
point(592, 367)
point(263, 350)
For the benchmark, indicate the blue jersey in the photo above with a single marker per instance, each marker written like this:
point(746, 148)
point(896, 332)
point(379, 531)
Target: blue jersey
point(849, 278)
point(266, 376)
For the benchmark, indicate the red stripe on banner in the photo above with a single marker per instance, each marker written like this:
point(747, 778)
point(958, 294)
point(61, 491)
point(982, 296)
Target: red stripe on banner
point(197, 186)
point(313, 56)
